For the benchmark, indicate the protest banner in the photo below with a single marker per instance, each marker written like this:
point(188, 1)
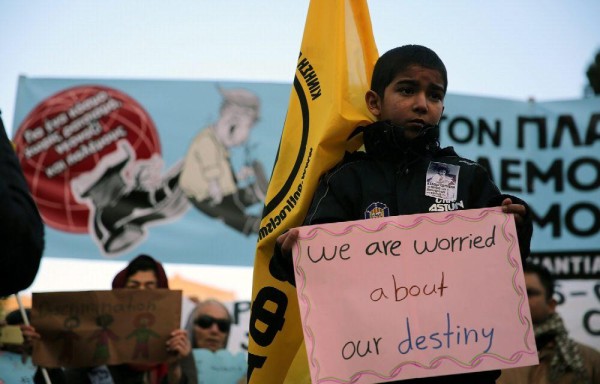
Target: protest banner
point(413, 296)
point(91, 328)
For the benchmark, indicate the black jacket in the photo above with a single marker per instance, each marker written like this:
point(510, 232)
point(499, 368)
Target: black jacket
point(21, 227)
point(390, 179)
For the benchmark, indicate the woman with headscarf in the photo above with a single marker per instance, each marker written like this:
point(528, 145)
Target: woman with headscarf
point(143, 272)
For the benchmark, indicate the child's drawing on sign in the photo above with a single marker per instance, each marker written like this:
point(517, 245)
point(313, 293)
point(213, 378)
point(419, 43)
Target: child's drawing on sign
point(442, 181)
point(142, 334)
point(68, 337)
point(102, 337)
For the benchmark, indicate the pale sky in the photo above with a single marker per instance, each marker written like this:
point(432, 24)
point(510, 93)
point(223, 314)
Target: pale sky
point(507, 49)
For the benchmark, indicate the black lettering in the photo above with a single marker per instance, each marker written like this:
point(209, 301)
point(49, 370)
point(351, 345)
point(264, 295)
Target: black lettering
point(587, 322)
point(324, 255)
point(378, 294)
point(367, 350)
point(552, 218)
point(592, 134)
point(239, 308)
point(344, 354)
point(453, 130)
point(254, 361)
point(485, 128)
point(566, 124)
point(302, 65)
point(538, 122)
point(573, 172)
point(505, 165)
point(272, 320)
point(594, 227)
point(554, 172)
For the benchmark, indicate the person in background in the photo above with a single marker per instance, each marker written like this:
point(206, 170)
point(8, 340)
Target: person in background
point(21, 227)
point(209, 327)
point(402, 150)
point(562, 360)
point(24, 371)
point(143, 272)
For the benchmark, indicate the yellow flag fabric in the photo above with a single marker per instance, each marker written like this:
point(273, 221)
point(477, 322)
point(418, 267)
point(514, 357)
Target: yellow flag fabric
point(327, 103)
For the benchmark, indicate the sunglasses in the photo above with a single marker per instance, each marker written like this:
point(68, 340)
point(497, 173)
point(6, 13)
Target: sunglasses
point(206, 321)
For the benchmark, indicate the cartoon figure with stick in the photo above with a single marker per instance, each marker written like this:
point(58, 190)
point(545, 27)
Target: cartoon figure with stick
point(208, 178)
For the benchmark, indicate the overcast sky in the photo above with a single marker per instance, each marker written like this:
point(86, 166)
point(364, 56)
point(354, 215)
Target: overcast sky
point(507, 49)
point(510, 49)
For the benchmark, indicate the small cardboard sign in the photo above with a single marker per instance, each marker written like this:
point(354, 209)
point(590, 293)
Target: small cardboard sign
point(91, 328)
point(413, 296)
point(219, 367)
point(14, 370)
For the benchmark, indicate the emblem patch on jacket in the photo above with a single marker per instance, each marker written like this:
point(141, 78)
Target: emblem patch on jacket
point(441, 181)
point(377, 210)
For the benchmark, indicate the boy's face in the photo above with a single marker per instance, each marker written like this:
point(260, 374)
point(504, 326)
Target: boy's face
point(413, 99)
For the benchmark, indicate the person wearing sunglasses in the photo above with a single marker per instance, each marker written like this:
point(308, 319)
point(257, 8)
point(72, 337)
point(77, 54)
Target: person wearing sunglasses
point(210, 325)
point(208, 328)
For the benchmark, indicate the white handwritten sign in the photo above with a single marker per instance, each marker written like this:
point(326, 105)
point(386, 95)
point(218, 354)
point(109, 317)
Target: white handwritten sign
point(413, 296)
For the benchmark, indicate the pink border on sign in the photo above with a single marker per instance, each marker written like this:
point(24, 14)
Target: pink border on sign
point(438, 219)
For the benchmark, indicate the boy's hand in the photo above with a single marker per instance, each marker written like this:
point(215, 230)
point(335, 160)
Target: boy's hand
point(519, 210)
point(281, 265)
point(287, 240)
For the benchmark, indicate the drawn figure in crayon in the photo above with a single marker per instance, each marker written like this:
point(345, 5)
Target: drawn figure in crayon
point(68, 338)
point(142, 334)
point(102, 337)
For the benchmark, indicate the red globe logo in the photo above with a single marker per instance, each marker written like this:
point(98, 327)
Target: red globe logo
point(66, 135)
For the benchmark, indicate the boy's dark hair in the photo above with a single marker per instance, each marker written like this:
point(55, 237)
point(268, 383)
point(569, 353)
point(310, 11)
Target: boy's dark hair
point(399, 59)
point(544, 275)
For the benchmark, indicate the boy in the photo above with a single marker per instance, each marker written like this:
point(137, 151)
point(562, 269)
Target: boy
point(401, 149)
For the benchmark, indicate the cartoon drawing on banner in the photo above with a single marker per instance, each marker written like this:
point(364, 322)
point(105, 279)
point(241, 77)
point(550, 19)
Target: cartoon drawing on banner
point(208, 177)
point(125, 195)
point(91, 155)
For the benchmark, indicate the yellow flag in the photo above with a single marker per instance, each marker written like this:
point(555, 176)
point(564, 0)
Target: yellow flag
point(326, 104)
